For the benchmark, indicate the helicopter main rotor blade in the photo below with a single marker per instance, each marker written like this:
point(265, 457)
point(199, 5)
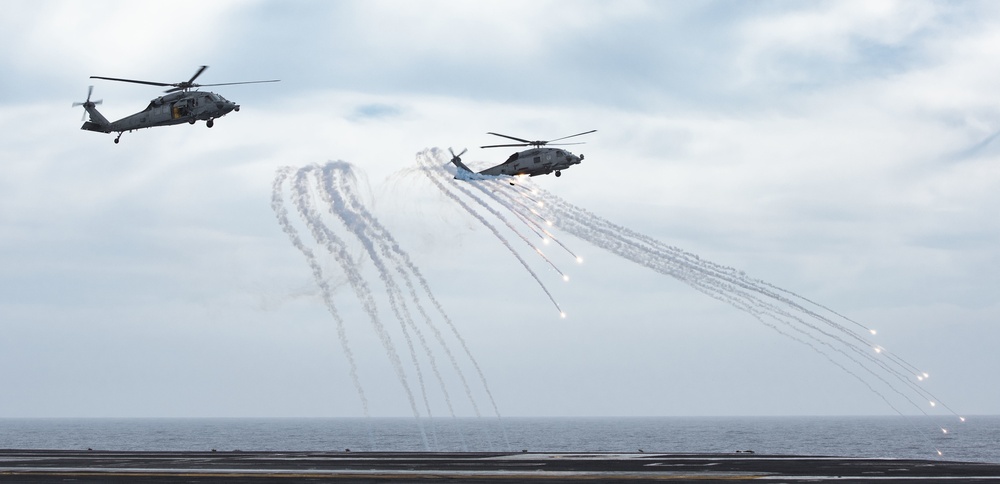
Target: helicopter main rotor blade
point(572, 135)
point(234, 83)
point(188, 84)
point(183, 85)
point(195, 76)
point(510, 137)
point(151, 83)
point(504, 146)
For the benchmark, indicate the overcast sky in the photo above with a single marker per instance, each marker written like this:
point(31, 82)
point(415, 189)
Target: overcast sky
point(841, 150)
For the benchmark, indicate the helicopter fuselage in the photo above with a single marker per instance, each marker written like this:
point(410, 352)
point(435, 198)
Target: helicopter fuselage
point(183, 103)
point(537, 160)
point(534, 162)
point(174, 108)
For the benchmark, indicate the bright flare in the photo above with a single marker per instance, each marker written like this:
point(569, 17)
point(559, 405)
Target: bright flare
point(579, 260)
point(961, 418)
point(944, 430)
point(565, 278)
point(873, 332)
point(933, 404)
point(562, 314)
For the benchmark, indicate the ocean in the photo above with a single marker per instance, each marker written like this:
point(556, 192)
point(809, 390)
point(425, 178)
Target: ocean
point(976, 440)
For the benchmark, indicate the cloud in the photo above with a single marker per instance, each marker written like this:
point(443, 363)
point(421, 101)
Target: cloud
point(62, 42)
point(376, 111)
point(809, 145)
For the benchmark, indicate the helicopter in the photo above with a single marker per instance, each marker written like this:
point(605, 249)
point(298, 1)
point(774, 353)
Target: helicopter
point(181, 104)
point(533, 162)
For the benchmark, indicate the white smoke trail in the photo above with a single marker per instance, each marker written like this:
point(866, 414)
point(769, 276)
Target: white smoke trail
point(278, 205)
point(336, 177)
point(388, 248)
point(765, 302)
point(408, 272)
point(407, 269)
point(723, 283)
point(690, 268)
point(337, 247)
point(500, 216)
point(332, 185)
point(528, 215)
point(432, 172)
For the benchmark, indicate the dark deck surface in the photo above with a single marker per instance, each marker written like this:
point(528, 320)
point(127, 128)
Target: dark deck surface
point(34, 466)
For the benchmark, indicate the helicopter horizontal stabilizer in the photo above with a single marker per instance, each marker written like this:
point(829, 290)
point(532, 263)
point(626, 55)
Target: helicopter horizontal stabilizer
point(92, 126)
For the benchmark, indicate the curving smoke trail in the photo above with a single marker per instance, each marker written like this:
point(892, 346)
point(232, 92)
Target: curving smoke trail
point(409, 273)
point(278, 205)
point(786, 312)
point(734, 287)
point(333, 186)
point(441, 182)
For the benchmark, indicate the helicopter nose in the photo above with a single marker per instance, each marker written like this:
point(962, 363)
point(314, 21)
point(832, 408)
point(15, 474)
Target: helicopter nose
point(227, 106)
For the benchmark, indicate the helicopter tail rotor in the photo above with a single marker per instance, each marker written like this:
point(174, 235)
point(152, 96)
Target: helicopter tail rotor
point(457, 157)
point(88, 103)
point(457, 160)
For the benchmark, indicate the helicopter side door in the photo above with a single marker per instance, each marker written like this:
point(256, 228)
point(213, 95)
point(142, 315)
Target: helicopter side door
point(181, 109)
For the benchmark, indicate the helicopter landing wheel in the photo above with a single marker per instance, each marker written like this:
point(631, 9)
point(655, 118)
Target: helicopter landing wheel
point(210, 123)
point(192, 121)
point(118, 138)
point(558, 173)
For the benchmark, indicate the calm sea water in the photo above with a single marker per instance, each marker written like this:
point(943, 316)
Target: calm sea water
point(978, 439)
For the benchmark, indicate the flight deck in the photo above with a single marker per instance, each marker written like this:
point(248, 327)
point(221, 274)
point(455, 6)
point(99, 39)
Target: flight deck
point(93, 466)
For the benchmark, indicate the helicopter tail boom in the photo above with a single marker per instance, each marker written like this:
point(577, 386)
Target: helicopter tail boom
point(458, 161)
point(460, 165)
point(97, 120)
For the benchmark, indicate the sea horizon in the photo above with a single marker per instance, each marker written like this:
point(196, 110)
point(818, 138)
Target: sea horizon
point(899, 437)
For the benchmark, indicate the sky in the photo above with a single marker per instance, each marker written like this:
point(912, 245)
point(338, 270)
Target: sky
point(844, 150)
